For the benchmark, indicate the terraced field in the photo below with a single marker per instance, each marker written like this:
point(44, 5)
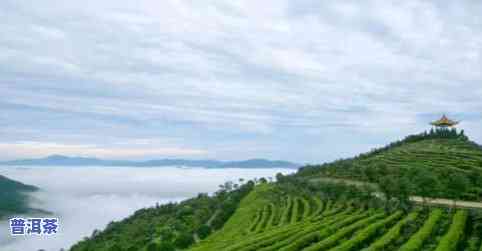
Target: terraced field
point(307, 222)
point(441, 157)
point(310, 224)
point(436, 153)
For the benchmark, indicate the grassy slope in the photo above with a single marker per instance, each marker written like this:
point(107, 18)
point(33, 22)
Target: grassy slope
point(437, 153)
point(12, 197)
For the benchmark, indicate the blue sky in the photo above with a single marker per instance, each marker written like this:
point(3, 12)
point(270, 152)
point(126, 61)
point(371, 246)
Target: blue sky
point(306, 81)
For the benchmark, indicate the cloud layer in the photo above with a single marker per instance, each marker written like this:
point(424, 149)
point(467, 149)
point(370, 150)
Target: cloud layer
point(235, 79)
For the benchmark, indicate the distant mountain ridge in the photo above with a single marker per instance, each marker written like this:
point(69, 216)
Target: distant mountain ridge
point(61, 160)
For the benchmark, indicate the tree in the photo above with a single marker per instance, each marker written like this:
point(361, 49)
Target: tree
point(393, 184)
point(426, 184)
point(279, 177)
point(152, 247)
point(133, 248)
point(116, 247)
point(370, 173)
point(367, 194)
point(184, 240)
point(457, 185)
point(403, 188)
point(204, 231)
point(166, 233)
point(166, 246)
point(227, 186)
point(387, 187)
point(477, 178)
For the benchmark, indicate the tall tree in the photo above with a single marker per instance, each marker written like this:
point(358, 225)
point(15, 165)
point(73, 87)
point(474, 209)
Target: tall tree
point(426, 184)
point(387, 185)
point(403, 189)
point(457, 185)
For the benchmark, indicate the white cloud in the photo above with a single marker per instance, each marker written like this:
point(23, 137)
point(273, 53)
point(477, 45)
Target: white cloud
point(200, 71)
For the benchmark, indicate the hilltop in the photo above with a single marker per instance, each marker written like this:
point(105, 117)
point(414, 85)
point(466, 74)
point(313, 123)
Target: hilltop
point(60, 160)
point(445, 157)
point(306, 211)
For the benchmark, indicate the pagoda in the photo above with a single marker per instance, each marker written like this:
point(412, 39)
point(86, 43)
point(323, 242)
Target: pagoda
point(444, 122)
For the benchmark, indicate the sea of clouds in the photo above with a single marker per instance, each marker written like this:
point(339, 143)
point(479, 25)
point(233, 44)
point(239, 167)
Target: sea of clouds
point(88, 198)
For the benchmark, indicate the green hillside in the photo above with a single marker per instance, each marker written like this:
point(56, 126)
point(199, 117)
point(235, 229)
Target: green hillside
point(294, 215)
point(443, 160)
point(13, 198)
point(171, 226)
point(371, 209)
point(318, 222)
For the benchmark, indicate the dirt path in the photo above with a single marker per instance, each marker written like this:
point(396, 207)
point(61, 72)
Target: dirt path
point(196, 238)
point(447, 202)
point(415, 199)
point(215, 214)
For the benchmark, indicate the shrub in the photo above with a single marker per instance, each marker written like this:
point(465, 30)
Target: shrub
point(116, 247)
point(152, 247)
point(166, 246)
point(367, 233)
point(184, 240)
point(417, 240)
point(450, 240)
point(392, 234)
point(204, 231)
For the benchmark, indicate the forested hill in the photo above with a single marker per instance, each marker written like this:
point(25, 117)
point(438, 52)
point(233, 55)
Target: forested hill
point(371, 211)
point(13, 196)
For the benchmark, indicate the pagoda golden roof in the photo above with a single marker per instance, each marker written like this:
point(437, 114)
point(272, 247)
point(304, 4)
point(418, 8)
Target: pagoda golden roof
point(444, 122)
